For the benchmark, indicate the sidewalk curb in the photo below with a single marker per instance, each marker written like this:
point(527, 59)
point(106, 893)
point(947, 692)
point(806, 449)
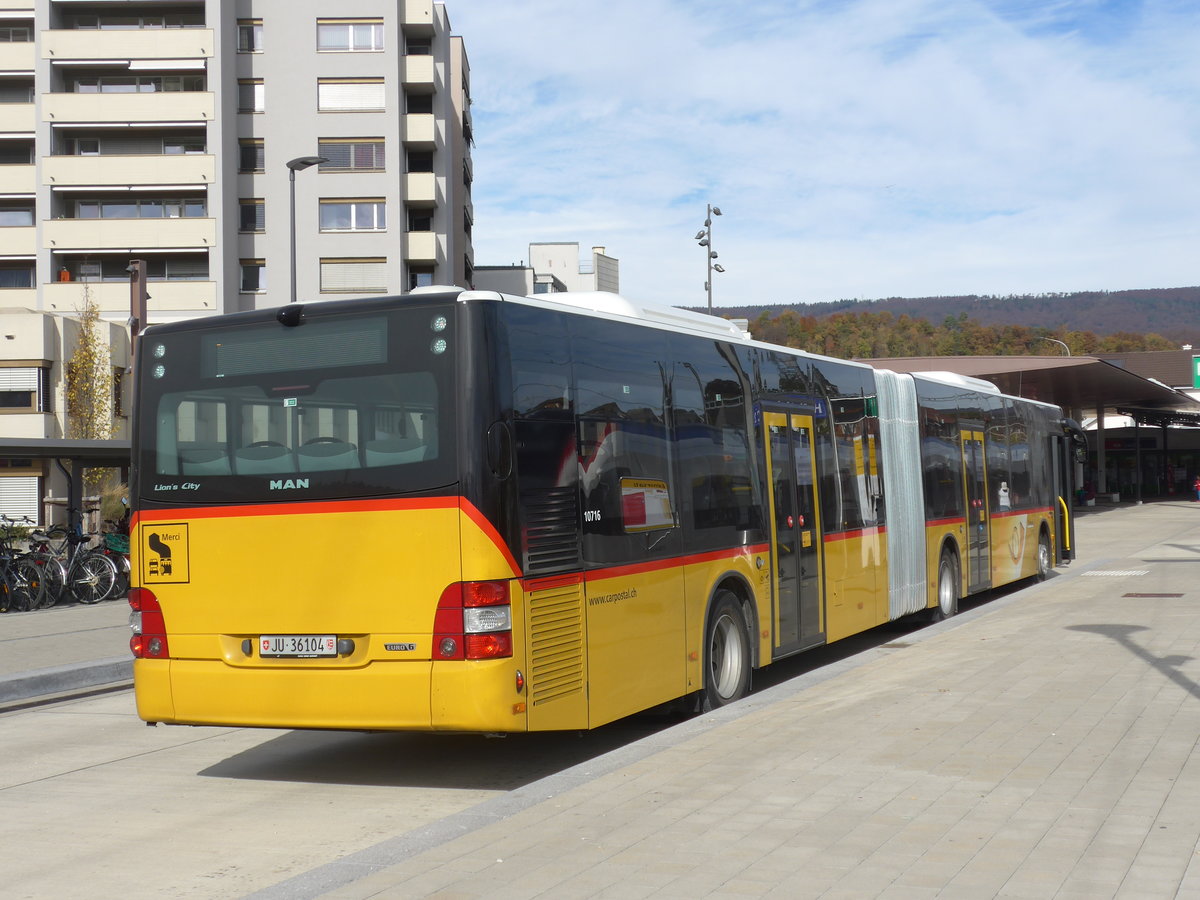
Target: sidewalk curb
point(57, 679)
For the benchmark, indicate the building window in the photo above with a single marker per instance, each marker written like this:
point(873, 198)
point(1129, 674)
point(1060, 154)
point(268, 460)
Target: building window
point(16, 34)
point(16, 153)
point(23, 389)
point(250, 36)
point(250, 155)
point(16, 275)
point(350, 95)
point(419, 276)
point(254, 276)
point(420, 160)
point(142, 208)
point(351, 154)
point(16, 91)
point(353, 215)
point(415, 46)
point(253, 215)
point(136, 84)
point(349, 35)
point(418, 103)
point(344, 276)
point(420, 220)
point(250, 95)
point(180, 146)
point(16, 215)
point(181, 267)
point(119, 22)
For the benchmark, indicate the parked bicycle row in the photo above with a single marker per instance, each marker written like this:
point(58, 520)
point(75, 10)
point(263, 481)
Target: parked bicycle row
point(39, 569)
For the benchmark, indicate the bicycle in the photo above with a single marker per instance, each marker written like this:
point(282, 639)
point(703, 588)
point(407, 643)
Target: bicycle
point(73, 568)
point(23, 585)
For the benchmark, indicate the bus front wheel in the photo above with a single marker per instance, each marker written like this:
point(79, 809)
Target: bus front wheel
point(947, 589)
point(727, 667)
point(1045, 561)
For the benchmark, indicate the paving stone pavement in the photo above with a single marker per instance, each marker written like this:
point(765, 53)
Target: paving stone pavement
point(1039, 745)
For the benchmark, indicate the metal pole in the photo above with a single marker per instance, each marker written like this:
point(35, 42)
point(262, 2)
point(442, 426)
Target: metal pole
point(708, 256)
point(292, 223)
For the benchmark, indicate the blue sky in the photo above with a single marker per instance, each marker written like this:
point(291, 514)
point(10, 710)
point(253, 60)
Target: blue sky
point(857, 148)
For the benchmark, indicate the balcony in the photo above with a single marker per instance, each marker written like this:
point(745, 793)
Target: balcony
point(118, 234)
point(149, 43)
point(418, 17)
point(420, 189)
point(168, 106)
point(19, 298)
point(17, 57)
point(113, 296)
point(420, 72)
point(422, 247)
point(18, 179)
point(198, 169)
point(17, 117)
point(18, 240)
point(420, 131)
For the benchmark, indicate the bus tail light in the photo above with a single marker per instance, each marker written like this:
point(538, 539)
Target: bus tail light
point(473, 621)
point(149, 629)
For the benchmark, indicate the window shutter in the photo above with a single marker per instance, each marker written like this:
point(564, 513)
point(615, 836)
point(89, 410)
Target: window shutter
point(19, 496)
point(349, 96)
point(20, 379)
point(350, 275)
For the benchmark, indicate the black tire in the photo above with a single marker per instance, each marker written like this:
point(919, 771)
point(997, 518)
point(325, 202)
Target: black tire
point(1045, 557)
point(727, 653)
point(26, 579)
point(5, 592)
point(54, 577)
point(93, 578)
point(947, 589)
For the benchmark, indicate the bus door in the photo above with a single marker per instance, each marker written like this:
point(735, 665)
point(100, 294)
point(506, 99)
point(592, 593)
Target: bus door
point(795, 531)
point(978, 562)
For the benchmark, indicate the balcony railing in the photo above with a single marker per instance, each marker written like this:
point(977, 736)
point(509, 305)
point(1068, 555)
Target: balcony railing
point(115, 234)
point(167, 106)
point(149, 43)
point(165, 296)
point(17, 57)
point(198, 169)
point(18, 179)
point(17, 117)
point(422, 247)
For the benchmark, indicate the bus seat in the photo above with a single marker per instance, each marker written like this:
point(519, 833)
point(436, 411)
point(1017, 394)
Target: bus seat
point(394, 451)
point(324, 455)
point(204, 459)
point(263, 458)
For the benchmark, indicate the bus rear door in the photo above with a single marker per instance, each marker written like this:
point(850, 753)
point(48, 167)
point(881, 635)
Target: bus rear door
point(979, 570)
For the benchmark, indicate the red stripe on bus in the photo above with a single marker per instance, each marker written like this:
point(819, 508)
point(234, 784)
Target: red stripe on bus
point(673, 562)
point(953, 520)
point(489, 530)
point(857, 532)
point(1008, 513)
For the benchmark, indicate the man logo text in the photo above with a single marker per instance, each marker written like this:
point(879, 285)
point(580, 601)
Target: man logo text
point(289, 484)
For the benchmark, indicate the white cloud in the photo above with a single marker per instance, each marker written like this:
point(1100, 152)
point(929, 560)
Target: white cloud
point(873, 148)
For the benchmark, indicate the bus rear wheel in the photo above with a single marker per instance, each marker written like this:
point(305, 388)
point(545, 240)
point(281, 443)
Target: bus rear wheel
point(727, 645)
point(947, 589)
point(1044, 557)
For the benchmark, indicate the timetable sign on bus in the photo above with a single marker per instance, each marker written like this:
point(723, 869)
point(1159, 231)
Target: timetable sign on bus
point(645, 504)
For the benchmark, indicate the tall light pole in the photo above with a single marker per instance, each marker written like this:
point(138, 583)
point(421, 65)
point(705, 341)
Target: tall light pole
point(299, 164)
point(1057, 341)
point(704, 238)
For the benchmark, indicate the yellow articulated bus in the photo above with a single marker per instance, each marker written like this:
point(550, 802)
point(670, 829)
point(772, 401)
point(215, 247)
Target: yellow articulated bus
point(465, 511)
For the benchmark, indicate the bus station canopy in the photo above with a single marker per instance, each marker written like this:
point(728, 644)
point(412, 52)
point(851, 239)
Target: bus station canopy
point(1081, 383)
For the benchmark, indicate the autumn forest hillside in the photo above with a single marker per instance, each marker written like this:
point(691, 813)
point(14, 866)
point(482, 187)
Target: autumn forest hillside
point(1092, 322)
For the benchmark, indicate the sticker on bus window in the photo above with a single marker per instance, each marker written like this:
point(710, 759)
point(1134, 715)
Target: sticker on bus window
point(164, 554)
point(645, 504)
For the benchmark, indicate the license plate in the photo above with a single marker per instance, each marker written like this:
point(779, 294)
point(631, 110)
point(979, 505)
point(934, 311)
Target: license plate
point(300, 646)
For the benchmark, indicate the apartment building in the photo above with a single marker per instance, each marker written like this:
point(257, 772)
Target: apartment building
point(178, 132)
point(553, 267)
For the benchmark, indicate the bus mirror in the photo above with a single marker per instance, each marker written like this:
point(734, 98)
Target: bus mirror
point(499, 450)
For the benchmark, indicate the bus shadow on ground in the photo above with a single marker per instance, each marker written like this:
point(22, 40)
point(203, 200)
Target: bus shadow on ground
point(449, 761)
point(482, 762)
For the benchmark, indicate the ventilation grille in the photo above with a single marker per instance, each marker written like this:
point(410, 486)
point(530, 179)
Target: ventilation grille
point(551, 530)
point(556, 642)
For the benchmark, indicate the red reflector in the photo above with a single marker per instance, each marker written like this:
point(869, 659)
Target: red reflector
point(485, 593)
point(495, 645)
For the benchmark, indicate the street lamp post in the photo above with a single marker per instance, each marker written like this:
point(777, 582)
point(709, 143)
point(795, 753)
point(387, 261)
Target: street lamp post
point(299, 164)
point(704, 238)
point(1057, 341)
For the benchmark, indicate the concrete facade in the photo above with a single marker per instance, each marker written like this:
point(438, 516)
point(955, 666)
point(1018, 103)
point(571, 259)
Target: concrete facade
point(553, 268)
point(163, 132)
